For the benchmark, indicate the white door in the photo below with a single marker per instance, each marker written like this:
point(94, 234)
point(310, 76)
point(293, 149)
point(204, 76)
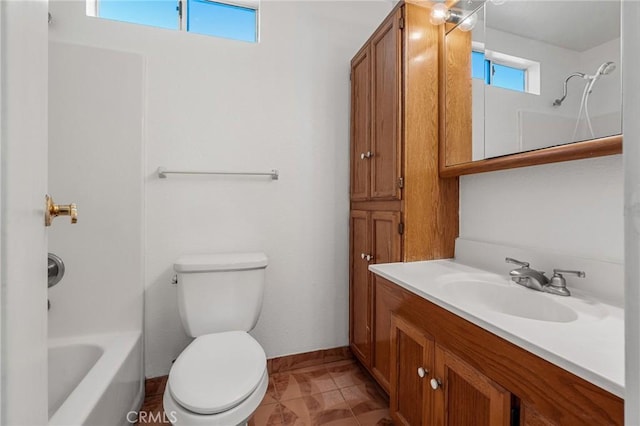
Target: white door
point(23, 179)
point(631, 148)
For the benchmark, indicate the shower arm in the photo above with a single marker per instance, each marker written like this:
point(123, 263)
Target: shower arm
point(558, 102)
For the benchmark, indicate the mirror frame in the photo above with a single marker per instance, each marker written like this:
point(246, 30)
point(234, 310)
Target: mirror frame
point(610, 145)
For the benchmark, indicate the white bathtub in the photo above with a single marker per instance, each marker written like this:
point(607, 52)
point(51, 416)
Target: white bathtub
point(95, 380)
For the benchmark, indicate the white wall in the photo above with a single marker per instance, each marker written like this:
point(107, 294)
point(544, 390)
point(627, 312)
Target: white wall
point(220, 104)
point(572, 208)
point(95, 160)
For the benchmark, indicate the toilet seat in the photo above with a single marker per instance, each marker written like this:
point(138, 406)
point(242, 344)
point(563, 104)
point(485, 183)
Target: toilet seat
point(217, 372)
point(238, 415)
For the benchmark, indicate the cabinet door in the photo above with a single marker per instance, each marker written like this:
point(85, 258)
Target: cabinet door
point(386, 238)
point(386, 63)
point(387, 299)
point(360, 125)
point(411, 398)
point(360, 288)
point(466, 397)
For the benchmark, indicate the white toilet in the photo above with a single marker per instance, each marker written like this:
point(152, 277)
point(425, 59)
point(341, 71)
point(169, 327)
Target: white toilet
point(221, 377)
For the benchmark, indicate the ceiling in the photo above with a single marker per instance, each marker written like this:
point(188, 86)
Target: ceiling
point(573, 24)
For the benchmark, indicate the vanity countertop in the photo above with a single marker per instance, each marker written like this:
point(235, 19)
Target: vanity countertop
point(591, 345)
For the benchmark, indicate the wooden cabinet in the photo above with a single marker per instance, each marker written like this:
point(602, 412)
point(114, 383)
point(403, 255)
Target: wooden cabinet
point(479, 378)
point(386, 60)
point(401, 210)
point(412, 363)
point(432, 386)
point(360, 125)
point(360, 288)
point(375, 111)
point(386, 301)
point(374, 238)
point(464, 396)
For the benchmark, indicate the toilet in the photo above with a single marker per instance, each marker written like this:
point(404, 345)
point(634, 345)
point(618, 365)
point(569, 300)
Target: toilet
point(221, 377)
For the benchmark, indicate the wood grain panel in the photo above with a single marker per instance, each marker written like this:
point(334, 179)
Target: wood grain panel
point(360, 288)
point(395, 205)
point(530, 417)
point(458, 108)
point(573, 400)
point(360, 124)
point(386, 300)
point(467, 397)
point(386, 110)
point(574, 151)
point(411, 403)
point(430, 203)
point(385, 237)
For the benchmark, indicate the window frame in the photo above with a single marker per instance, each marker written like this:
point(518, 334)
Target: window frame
point(182, 11)
point(183, 14)
point(531, 68)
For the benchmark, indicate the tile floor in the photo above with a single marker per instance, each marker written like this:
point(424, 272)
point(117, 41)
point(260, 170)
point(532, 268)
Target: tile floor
point(339, 393)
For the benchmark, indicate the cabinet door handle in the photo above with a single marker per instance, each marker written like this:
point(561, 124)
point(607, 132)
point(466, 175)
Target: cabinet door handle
point(363, 156)
point(435, 384)
point(422, 372)
point(363, 256)
point(369, 258)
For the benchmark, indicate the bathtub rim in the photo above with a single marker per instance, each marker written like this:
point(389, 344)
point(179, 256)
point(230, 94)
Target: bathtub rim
point(117, 347)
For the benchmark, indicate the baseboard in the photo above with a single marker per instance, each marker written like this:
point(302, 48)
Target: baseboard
point(308, 359)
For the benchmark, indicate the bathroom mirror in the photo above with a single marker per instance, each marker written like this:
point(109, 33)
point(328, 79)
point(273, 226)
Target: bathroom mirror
point(527, 82)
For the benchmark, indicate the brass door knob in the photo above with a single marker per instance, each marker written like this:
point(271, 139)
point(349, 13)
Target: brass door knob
point(52, 210)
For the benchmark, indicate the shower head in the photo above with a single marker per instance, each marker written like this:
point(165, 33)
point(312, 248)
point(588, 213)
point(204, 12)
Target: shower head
point(606, 68)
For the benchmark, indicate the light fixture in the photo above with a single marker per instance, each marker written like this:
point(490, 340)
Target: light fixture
point(441, 14)
point(468, 23)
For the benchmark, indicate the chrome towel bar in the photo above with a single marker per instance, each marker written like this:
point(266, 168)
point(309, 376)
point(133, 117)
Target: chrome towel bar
point(162, 173)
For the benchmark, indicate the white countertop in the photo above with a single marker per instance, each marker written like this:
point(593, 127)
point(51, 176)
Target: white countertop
point(591, 346)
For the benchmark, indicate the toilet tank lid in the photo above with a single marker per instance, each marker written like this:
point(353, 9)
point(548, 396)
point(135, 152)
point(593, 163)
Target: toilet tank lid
point(220, 262)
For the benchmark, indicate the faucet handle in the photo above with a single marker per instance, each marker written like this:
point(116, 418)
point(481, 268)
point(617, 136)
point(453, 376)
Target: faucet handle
point(516, 262)
point(558, 285)
point(580, 274)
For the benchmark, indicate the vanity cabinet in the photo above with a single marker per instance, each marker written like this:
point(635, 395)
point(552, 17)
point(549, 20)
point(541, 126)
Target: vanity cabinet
point(479, 378)
point(432, 386)
point(401, 209)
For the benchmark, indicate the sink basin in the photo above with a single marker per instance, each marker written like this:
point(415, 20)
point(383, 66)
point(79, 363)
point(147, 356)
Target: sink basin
point(509, 299)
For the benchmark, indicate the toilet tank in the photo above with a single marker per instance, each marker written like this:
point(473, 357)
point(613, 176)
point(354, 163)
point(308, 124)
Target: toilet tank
point(220, 292)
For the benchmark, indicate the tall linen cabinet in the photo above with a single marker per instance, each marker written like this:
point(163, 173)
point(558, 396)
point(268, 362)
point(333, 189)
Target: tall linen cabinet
point(401, 210)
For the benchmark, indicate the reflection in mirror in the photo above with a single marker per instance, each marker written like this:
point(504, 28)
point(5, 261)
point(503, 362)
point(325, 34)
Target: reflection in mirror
point(537, 74)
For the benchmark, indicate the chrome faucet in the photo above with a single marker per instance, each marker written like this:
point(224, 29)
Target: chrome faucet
point(536, 280)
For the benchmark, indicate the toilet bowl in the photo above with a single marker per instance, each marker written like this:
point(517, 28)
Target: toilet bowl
point(221, 378)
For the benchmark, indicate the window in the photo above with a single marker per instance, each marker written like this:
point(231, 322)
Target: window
point(221, 20)
point(508, 72)
point(237, 21)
